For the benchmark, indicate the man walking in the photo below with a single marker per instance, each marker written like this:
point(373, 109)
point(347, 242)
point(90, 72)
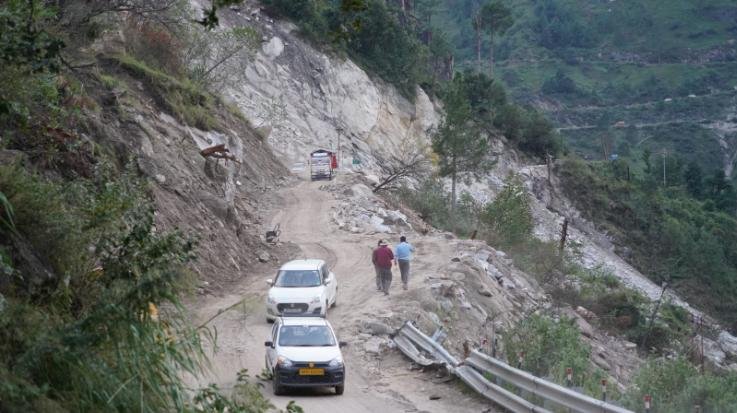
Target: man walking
point(382, 258)
point(376, 267)
point(404, 255)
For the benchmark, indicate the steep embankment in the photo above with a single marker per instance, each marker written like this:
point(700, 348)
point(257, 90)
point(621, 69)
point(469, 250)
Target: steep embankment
point(216, 200)
point(302, 99)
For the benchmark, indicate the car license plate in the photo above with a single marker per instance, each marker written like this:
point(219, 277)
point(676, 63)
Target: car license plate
point(291, 310)
point(311, 372)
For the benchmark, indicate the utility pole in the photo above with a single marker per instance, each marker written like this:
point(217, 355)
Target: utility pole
point(339, 154)
point(665, 153)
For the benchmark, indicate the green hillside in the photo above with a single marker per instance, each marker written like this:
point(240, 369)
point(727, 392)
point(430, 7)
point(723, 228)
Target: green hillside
point(635, 74)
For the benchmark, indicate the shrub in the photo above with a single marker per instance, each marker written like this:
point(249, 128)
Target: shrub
point(549, 348)
point(676, 386)
point(508, 218)
point(190, 103)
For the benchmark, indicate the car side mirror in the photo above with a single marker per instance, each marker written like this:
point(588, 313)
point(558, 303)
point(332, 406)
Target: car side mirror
point(269, 343)
point(270, 282)
point(342, 344)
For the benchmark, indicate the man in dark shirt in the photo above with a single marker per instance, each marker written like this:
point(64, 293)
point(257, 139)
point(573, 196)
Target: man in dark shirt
point(382, 259)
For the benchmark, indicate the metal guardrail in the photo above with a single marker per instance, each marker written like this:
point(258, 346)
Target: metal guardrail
point(411, 351)
point(539, 387)
point(495, 393)
point(428, 345)
point(411, 340)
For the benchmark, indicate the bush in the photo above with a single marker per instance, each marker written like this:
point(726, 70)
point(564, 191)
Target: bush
point(673, 237)
point(508, 218)
point(107, 330)
point(185, 100)
point(432, 202)
point(676, 386)
point(549, 348)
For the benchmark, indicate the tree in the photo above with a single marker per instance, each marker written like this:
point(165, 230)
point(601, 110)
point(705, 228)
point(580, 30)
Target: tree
point(694, 177)
point(495, 18)
point(411, 161)
point(458, 142)
point(721, 192)
point(509, 216)
point(426, 9)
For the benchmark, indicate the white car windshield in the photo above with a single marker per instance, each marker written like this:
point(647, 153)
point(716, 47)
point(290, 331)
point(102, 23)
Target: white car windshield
point(306, 336)
point(297, 278)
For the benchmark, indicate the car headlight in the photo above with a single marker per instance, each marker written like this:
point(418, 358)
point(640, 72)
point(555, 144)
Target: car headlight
point(336, 362)
point(271, 300)
point(315, 300)
point(283, 362)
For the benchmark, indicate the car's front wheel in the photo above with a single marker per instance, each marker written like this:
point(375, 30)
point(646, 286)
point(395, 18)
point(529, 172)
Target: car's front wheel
point(325, 310)
point(339, 389)
point(278, 388)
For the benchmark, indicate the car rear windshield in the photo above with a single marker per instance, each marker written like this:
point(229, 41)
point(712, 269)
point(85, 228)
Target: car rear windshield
point(297, 278)
point(306, 336)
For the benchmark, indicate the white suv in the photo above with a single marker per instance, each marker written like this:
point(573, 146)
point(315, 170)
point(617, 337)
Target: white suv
point(301, 287)
point(304, 352)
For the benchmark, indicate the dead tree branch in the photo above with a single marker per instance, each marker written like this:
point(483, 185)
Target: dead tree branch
point(412, 163)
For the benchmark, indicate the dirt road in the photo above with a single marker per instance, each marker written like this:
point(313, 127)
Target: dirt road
point(383, 384)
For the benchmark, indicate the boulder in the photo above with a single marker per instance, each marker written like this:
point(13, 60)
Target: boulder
point(377, 224)
point(712, 352)
point(728, 343)
point(585, 313)
point(483, 291)
point(376, 328)
point(395, 218)
point(264, 256)
point(374, 345)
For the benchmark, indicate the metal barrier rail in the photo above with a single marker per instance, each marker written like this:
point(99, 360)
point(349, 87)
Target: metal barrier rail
point(542, 388)
point(495, 393)
point(409, 339)
point(427, 344)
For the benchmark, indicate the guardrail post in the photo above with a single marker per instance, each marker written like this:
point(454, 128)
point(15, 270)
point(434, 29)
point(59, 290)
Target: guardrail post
point(603, 389)
point(647, 400)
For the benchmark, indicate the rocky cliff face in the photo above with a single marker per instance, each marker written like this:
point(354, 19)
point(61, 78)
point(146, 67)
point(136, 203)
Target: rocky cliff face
point(301, 99)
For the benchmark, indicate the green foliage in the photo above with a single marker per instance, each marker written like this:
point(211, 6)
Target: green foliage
point(210, 19)
point(246, 398)
point(672, 236)
point(181, 97)
point(372, 33)
point(508, 217)
point(459, 143)
point(432, 202)
point(559, 26)
point(549, 348)
point(677, 386)
point(559, 84)
point(24, 41)
point(92, 338)
point(386, 48)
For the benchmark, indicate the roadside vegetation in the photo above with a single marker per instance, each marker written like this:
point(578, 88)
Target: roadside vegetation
point(674, 232)
point(91, 315)
point(658, 330)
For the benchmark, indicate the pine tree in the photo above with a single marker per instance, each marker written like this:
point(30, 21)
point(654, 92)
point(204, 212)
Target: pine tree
point(458, 142)
point(495, 18)
point(694, 178)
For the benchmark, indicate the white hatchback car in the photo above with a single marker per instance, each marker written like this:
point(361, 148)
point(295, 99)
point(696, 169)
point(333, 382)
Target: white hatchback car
point(304, 352)
point(301, 287)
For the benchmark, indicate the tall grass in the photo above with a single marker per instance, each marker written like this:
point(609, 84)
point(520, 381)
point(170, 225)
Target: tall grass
point(87, 341)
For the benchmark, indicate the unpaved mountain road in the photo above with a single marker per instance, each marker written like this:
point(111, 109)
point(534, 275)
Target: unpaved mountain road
point(384, 384)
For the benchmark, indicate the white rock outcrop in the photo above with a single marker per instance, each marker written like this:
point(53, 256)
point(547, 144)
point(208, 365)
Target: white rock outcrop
point(305, 99)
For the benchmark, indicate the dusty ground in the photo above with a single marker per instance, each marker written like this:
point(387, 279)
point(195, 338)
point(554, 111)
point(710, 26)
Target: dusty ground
point(375, 383)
